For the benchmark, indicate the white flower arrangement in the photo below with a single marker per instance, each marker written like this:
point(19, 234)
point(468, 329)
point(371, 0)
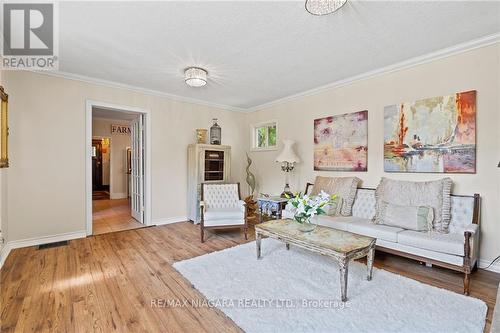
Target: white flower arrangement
point(306, 207)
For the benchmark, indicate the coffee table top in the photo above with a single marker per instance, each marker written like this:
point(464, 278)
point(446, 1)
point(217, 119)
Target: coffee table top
point(324, 237)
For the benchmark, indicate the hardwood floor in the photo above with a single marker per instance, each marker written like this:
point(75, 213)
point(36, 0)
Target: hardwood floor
point(111, 216)
point(108, 282)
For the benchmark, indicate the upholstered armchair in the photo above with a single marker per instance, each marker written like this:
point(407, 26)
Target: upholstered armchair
point(222, 208)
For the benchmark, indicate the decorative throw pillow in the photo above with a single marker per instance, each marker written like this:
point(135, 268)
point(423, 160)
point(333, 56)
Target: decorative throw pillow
point(434, 194)
point(418, 218)
point(334, 207)
point(343, 187)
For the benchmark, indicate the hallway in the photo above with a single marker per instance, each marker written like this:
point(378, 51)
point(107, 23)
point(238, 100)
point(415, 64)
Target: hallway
point(112, 215)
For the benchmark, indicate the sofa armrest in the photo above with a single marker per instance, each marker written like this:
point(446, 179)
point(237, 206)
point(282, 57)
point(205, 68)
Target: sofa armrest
point(472, 228)
point(242, 205)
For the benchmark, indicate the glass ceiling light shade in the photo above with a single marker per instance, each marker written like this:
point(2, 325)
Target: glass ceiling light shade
point(323, 7)
point(195, 77)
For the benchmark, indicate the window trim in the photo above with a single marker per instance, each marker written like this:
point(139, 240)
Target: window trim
point(253, 135)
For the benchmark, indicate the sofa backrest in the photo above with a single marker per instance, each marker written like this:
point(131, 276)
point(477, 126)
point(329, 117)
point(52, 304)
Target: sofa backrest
point(462, 208)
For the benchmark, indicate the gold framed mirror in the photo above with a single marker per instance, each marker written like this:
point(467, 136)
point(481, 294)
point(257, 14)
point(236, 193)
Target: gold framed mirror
point(4, 130)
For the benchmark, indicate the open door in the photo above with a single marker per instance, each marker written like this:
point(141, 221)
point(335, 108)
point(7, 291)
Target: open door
point(137, 172)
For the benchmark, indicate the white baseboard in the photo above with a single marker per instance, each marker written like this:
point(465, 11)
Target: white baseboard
point(4, 253)
point(494, 268)
point(114, 196)
point(9, 246)
point(170, 220)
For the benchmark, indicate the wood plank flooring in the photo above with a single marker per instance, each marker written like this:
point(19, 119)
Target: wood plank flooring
point(111, 216)
point(108, 282)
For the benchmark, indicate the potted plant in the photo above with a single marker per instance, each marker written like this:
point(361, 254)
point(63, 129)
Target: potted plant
point(306, 207)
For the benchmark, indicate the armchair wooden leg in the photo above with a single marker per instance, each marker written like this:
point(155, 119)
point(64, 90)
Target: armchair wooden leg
point(246, 233)
point(202, 234)
point(467, 284)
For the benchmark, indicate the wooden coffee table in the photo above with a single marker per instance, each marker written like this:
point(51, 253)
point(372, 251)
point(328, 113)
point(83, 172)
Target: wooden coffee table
point(342, 246)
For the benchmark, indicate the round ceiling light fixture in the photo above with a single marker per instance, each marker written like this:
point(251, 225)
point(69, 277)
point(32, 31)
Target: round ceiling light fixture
point(324, 7)
point(195, 77)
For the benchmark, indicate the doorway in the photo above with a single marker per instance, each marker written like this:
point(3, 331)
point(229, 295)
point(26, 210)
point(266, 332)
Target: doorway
point(118, 168)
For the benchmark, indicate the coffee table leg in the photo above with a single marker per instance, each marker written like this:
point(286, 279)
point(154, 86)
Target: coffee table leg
point(288, 246)
point(258, 239)
point(369, 262)
point(344, 272)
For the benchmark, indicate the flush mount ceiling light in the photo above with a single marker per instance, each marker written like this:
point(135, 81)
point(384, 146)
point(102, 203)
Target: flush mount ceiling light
point(195, 77)
point(323, 7)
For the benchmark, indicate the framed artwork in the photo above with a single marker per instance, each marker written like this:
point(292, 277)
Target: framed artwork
point(431, 135)
point(341, 142)
point(4, 130)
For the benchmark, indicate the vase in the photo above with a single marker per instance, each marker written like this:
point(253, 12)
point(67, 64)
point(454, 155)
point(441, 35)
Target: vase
point(305, 224)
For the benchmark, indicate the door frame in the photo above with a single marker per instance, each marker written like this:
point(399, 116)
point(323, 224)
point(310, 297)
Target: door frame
point(88, 157)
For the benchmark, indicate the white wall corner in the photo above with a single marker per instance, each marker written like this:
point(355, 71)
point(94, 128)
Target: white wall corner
point(4, 253)
point(170, 220)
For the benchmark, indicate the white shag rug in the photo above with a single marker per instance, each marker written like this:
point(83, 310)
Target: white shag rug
point(299, 291)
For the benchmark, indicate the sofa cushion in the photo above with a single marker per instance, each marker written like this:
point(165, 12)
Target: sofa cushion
point(435, 194)
point(344, 187)
point(418, 218)
point(364, 204)
point(335, 222)
point(224, 214)
point(451, 243)
point(365, 227)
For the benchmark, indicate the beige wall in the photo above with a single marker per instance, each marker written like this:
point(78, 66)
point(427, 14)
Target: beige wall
point(478, 69)
point(46, 188)
point(117, 164)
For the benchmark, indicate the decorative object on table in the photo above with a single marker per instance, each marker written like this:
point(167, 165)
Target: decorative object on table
point(221, 207)
point(201, 135)
point(271, 206)
point(215, 133)
point(206, 164)
point(287, 158)
point(323, 7)
point(195, 77)
point(306, 207)
point(431, 135)
point(341, 142)
point(250, 176)
point(4, 130)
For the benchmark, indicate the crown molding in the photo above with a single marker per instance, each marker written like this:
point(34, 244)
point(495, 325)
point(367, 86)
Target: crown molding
point(436, 55)
point(112, 84)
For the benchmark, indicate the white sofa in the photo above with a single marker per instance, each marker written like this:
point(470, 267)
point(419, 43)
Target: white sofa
point(456, 250)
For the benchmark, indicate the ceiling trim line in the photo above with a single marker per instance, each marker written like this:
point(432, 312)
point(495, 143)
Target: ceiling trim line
point(406, 64)
point(116, 85)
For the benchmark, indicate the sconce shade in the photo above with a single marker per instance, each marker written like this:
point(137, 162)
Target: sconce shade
point(287, 154)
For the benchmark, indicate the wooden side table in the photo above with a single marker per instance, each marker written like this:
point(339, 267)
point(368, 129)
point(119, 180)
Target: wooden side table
point(272, 207)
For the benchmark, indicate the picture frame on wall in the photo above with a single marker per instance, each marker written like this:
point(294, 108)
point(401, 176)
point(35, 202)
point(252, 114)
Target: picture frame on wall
point(431, 135)
point(341, 142)
point(4, 129)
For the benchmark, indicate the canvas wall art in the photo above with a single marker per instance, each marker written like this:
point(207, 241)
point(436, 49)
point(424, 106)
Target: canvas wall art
point(341, 142)
point(431, 135)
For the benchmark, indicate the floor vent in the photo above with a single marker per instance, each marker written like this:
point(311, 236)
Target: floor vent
point(51, 245)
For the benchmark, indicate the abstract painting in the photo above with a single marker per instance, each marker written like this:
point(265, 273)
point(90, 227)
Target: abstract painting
point(431, 135)
point(341, 142)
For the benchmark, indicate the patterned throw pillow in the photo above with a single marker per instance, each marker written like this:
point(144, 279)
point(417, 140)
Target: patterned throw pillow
point(434, 194)
point(418, 218)
point(344, 187)
point(334, 207)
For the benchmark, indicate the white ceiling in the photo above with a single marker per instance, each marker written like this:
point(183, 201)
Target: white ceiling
point(257, 52)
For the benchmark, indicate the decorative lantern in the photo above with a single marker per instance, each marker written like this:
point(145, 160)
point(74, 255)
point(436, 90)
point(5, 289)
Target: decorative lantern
point(215, 133)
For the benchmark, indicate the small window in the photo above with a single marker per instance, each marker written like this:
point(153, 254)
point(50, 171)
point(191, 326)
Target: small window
point(264, 136)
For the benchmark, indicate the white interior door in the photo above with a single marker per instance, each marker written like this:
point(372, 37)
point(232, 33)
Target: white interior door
point(137, 173)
